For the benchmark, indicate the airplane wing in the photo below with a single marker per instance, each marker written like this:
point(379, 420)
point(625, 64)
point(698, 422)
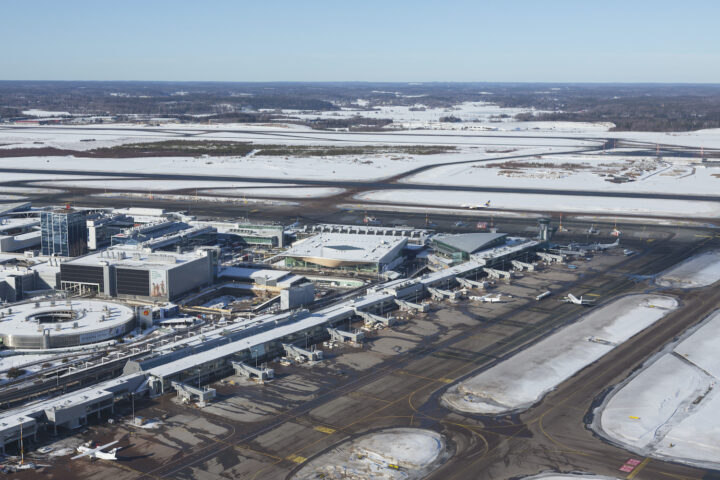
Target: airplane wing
point(94, 450)
point(84, 454)
point(106, 445)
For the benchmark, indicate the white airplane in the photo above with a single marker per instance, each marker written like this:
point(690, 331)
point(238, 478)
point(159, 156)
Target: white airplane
point(476, 206)
point(570, 298)
point(487, 299)
point(87, 451)
point(606, 246)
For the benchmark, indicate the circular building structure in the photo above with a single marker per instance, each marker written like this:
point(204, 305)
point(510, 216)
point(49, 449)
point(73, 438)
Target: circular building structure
point(65, 323)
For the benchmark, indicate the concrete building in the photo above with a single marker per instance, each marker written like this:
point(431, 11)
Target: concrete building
point(461, 246)
point(345, 251)
point(19, 233)
point(267, 235)
point(60, 324)
point(101, 228)
point(138, 274)
point(63, 233)
point(17, 281)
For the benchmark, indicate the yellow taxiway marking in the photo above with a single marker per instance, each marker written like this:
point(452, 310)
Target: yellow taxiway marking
point(650, 240)
point(325, 430)
point(634, 417)
point(703, 236)
point(592, 294)
point(443, 380)
point(296, 458)
point(638, 468)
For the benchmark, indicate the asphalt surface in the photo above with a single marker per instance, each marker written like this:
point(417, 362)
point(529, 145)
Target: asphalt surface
point(404, 390)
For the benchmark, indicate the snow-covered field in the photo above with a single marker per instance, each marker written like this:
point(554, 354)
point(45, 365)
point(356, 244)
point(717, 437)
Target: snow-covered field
point(416, 451)
point(360, 167)
point(230, 189)
point(699, 271)
point(547, 203)
point(552, 158)
point(584, 172)
point(525, 378)
point(669, 408)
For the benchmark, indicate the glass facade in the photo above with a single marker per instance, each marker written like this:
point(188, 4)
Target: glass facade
point(64, 233)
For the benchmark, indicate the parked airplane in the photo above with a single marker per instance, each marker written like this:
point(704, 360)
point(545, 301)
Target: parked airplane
point(570, 298)
point(487, 299)
point(476, 206)
point(606, 246)
point(97, 452)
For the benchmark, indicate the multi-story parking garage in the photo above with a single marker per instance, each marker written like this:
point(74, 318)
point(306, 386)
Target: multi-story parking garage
point(59, 324)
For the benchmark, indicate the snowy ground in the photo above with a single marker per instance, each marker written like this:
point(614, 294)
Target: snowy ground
point(699, 271)
point(525, 378)
point(194, 198)
point(670, 408)
point(552, 158)
point(547, 203)
point(217, 188)
point(417, 452)
point(584, 172)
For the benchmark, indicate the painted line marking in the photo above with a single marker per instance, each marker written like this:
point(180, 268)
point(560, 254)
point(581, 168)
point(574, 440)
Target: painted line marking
point(634, 417)
point(296, 458)
point(325, 430)
point(638, 468)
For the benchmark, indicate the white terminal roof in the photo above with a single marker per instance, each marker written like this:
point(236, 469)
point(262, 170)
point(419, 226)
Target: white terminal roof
point(88, 314)
point(345, 247)
point(123, 257)
point(11, 223)
point(252, 274)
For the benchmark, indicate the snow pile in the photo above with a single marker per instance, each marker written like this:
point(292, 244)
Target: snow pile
point(669, 409)
point(699, 271)
point(522, 380)
point(398, 453)
point(44, 113)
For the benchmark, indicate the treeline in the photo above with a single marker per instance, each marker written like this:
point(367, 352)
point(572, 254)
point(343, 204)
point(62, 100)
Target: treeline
point(645, 113)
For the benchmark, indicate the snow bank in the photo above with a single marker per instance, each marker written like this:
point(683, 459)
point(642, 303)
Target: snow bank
point(416, 451)
point(699, 271)
point(669, 409)
point(525, 378)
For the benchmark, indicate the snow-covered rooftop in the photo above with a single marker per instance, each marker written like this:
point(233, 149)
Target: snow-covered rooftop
point(130, 257)
point(348, 247)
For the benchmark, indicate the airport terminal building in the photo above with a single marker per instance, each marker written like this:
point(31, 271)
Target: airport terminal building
point(139, 275)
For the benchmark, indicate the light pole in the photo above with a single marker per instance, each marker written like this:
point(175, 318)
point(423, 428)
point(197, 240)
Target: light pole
point(133, 407)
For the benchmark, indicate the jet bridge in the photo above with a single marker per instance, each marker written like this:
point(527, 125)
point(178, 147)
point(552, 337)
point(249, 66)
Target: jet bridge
point(188, 393)
point(405, 305)
point(495, 273)
point(247, 371)
point(344, 337)
point(551, 257)
point(530, 267)
point(440, 295)
point(467, 283)
point(302, 354)
point(371, 317)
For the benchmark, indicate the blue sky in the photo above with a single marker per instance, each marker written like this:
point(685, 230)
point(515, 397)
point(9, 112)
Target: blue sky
point(390, 40)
